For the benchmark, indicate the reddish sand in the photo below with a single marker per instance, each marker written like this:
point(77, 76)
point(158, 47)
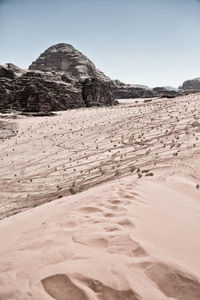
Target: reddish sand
point(135, 238)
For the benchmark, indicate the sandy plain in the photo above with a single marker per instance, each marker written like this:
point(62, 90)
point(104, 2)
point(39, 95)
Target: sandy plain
point(133, 233)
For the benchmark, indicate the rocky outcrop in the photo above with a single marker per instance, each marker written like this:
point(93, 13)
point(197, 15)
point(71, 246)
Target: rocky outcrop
point(65, 58)
point(127, 91)
point(192, 85)
point(63, 78)
point(163, 92)
point(96, 92)
point(36, 91)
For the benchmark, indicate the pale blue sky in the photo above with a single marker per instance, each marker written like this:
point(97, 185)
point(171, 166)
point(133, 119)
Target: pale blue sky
point(152, 42)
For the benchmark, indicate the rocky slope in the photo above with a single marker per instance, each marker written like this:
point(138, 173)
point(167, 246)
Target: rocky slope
point(191, 85)
point(63, 78)
point(37, 91)
point(65, 58)
point(128, 91)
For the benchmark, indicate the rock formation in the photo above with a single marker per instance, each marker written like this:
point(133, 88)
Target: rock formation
point(65, 58)
point(63, 78)
point(163, 92)
point(96, 92)
point(192, 85)
point(128, 91)
point(37, 91)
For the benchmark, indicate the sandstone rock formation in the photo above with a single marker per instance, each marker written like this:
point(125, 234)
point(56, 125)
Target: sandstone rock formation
point(163, 92)
point(36, 91)
point(63, 78)
point(127, 91)
point(192, 85)
point(96, 92)
point(65, 58)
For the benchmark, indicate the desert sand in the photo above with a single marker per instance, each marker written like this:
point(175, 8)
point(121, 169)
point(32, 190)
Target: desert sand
point(133, 233)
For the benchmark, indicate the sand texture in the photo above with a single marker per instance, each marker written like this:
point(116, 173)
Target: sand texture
point(134, 237)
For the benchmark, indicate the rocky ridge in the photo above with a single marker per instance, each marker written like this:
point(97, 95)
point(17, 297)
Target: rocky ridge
point(64, 78)
point(192, 85)
point(36, 91)
point(128, 91)
point(65, 58)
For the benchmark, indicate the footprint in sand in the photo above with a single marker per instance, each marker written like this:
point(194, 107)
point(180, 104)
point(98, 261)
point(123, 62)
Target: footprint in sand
point(126, 222)
point(115, 202)
point(109, 215)
point(105, 292)
point(111, 228)
point(116, 208)
point(91, 239)
point(124, 244)
point(180, 285)
point(68, 224)
point(89, 209)
point(60, 287)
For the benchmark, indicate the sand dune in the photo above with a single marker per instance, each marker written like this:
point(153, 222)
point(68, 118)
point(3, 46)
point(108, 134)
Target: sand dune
point(50, 157)
point(133, 238)
point(130, 239)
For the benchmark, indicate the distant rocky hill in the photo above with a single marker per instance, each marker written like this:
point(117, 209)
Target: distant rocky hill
point(36, 91)
point(192, 85)
point(65, 58)
point(63, 78)
point(128, 91)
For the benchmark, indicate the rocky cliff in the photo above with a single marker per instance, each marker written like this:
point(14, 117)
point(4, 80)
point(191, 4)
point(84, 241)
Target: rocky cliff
point(127, 91)
point(63, 78)
point(65, 58)
point(37, 91)
point(192, 85)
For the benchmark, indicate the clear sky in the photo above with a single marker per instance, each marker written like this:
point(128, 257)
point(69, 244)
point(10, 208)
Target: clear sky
point(152, 42)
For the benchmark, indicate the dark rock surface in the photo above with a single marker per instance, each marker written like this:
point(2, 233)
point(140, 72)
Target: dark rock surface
point(65, 58)
point(127, 91)
point(96, 92)
point(63, 78)
point(36, 91)
point(191, 86)
point(163, 92)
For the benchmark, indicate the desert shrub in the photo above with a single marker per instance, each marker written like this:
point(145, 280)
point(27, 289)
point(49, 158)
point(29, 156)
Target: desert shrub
point(77, 188)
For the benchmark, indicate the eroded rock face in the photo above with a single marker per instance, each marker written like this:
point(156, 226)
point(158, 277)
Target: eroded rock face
point(65, 58)
point(61, 78)
point(38, 91)
point(127, 91)
point(191, 85)
point(96, 92)
point(163, 92)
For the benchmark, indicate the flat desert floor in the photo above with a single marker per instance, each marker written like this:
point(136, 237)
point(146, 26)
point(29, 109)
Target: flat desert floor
point(133, 234)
